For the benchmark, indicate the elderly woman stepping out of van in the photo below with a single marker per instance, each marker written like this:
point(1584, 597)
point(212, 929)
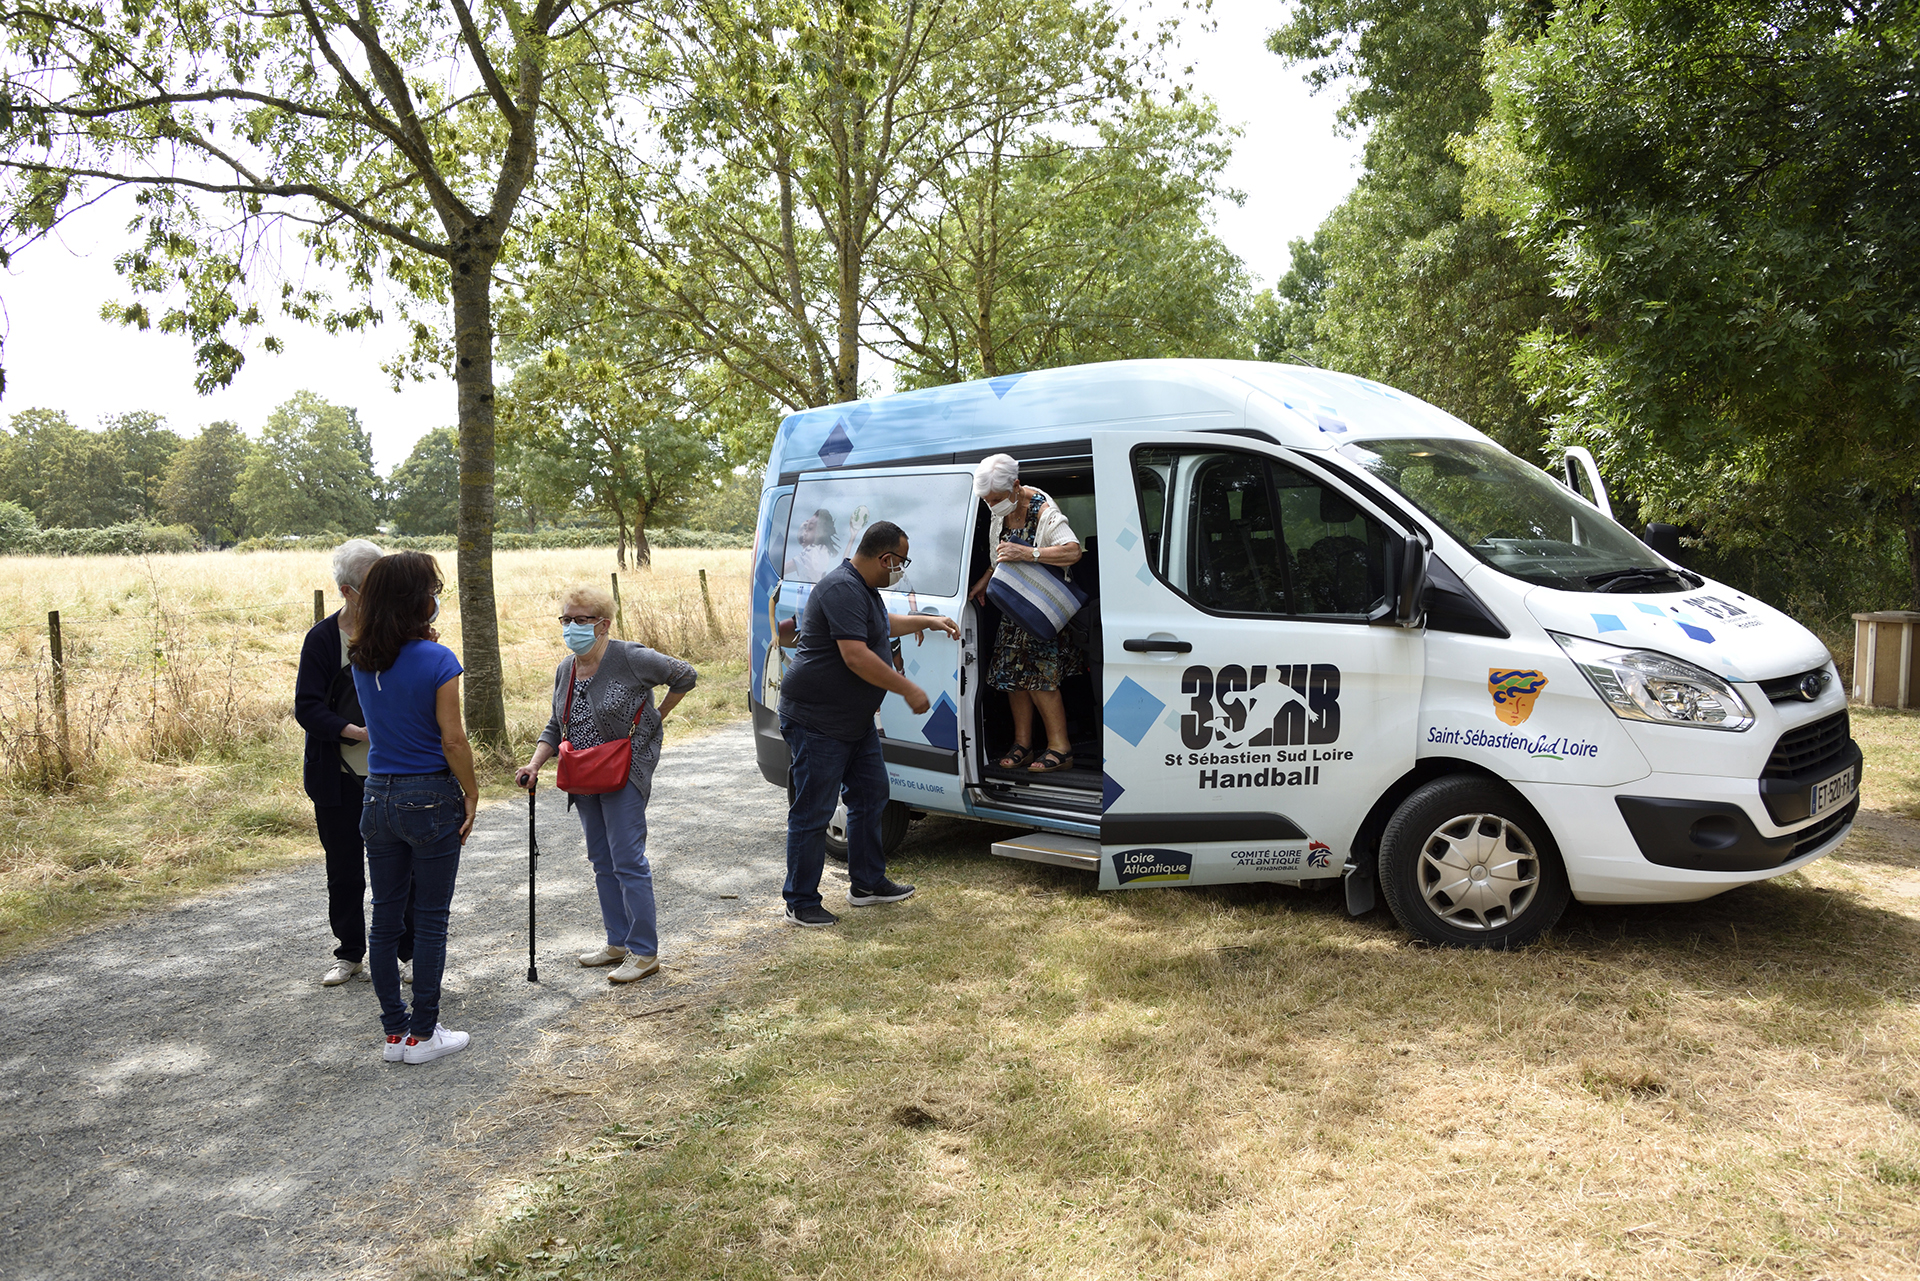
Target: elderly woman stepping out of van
point(1027, 525)
point(601, 694)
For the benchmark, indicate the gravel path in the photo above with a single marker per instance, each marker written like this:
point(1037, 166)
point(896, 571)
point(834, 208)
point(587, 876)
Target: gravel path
point(183, 1099)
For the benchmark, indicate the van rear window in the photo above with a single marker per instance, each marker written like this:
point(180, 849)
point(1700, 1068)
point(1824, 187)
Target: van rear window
point(831, 513)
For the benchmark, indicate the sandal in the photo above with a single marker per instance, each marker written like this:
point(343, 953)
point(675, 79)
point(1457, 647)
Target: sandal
point(1050, 761)
point(1015, 757)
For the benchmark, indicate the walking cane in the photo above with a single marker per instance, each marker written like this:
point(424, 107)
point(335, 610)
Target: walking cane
point(533, 863)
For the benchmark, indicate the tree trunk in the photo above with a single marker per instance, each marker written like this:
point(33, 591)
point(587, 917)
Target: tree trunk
point(486, 710)
point(642, 553)
point(1909, 512)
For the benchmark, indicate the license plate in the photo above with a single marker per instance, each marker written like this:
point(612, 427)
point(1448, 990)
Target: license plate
point(1832, 792)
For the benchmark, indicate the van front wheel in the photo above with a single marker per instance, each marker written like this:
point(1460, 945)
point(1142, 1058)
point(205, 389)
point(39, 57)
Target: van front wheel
point(1464, 862)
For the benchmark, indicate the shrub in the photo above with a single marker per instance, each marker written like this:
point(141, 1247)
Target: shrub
point(506, 540)
point(131, 539)
point(18, 528)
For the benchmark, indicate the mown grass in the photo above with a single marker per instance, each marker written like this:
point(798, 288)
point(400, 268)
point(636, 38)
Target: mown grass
point(1012, 1076)
point(187, 759)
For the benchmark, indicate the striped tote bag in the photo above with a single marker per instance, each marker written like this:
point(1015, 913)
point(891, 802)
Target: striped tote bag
point(1036, 597)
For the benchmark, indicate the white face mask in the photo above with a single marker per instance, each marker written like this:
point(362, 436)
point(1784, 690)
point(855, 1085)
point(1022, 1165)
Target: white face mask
point(1002, 509)
point(895, 574)
point(435, 614)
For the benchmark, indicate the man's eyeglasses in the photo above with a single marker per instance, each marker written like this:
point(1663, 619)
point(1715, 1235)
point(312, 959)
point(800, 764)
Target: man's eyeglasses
point(904, 560)
point(579, 618)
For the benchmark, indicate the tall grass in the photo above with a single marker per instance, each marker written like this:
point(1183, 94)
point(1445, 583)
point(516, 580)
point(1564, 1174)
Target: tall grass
point(180, 670)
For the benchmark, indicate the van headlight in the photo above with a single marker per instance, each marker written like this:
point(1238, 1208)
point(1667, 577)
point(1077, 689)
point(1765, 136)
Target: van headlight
point(1641, 685)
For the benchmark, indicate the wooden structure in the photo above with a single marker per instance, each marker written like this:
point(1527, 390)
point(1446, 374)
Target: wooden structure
point(1886, 661)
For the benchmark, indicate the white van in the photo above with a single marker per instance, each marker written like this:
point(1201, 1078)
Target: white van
point(1334, 632)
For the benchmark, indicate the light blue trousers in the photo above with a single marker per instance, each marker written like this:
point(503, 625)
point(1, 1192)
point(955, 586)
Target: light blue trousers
point(616, 829)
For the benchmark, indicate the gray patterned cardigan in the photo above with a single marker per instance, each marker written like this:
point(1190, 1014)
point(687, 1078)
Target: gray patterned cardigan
point(625, 680)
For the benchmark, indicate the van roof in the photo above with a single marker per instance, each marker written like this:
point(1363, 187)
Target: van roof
point(1300, 406)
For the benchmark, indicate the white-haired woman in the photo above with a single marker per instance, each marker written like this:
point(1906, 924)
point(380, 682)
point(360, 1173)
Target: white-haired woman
point(327, 708)
point(1027, 525)
point(603, 693)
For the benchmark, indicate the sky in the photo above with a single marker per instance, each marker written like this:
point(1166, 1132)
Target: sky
point(60, 355)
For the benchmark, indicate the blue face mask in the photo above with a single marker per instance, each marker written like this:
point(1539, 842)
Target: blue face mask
point(578, 636)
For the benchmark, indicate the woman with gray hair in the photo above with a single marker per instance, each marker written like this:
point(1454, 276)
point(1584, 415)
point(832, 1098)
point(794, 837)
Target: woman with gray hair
point(325, 704)
point(1027, 525)
point(603, 693)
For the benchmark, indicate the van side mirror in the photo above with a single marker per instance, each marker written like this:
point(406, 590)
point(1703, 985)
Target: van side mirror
point(1410, 602)
point(1664, 539)
point(1408, 606)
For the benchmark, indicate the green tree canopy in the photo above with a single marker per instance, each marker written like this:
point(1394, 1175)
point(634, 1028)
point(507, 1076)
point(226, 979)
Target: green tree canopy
point(203, 480)
point(311, 472)
point(1726, 193)
point(425, 488)
point(67, 476)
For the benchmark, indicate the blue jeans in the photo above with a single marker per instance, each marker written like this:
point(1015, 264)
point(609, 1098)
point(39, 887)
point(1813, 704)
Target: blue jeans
point(822, 767)
point(412, 829)
point(615, 825)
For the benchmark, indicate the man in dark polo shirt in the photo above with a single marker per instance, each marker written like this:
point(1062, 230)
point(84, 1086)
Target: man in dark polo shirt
point(842, 670)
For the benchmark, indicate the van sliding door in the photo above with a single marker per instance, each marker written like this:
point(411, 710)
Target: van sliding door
point(934, 505)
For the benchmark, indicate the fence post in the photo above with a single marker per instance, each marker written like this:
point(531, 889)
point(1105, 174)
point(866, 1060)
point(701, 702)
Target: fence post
point(619, 612)
point(319, 606)
point(60, 738)
point(713, 619)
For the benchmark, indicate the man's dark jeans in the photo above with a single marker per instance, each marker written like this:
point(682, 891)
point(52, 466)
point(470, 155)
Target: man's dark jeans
point(339, 827)
point(824, 766)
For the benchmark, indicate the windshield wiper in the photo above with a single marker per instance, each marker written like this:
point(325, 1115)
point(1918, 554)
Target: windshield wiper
point(1623, 580)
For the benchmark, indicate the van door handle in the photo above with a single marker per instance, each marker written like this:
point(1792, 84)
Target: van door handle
point(1137, 646)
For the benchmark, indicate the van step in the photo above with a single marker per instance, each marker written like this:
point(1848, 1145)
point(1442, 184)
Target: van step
point(1053, 847)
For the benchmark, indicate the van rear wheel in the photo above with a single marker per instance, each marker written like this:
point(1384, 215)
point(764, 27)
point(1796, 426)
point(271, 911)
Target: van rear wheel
point(1465, 862)
point(893, 828)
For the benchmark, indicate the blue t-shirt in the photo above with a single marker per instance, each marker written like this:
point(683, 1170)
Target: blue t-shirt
point(398, 704)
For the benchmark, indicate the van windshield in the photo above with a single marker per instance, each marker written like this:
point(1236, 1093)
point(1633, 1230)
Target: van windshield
point(1515, 517)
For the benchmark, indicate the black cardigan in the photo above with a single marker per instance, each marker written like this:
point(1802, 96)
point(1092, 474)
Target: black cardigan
point(325, 778)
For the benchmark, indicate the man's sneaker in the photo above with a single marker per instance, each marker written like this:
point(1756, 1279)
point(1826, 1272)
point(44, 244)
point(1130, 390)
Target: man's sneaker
point(885, 892)
point(439, 1045)
point(406, 973)
point(634, 967)
point(339, 972)
point(605, 956)
point(812, 916)
point(394, 1048)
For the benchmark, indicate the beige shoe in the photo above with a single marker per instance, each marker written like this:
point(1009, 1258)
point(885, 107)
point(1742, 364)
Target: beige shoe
point(339, 972)
point(635, 967)
point(605, 956)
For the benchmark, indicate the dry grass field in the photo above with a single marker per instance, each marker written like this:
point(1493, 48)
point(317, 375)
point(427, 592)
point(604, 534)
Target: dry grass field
point(1011, 1076)
point(180, 680)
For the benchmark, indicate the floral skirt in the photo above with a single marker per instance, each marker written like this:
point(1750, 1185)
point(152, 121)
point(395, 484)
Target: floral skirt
point(1022, 660)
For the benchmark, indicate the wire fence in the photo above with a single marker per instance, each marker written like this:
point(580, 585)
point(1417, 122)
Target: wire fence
point(154, 682)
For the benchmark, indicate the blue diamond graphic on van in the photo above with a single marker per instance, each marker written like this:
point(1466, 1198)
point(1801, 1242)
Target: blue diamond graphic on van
point(1609, 623)
point(1645, 608)
point(1700, 634)
point(913, 668)
point(1003, 384)
point(1131, 711)
point(1144, 574)
point(942, 728)
point(1110, 791)
point(838, 446)
point(1126, 539)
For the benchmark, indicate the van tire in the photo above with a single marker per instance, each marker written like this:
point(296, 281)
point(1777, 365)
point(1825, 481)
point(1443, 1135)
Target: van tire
point(1429, 843)
point(893, 828)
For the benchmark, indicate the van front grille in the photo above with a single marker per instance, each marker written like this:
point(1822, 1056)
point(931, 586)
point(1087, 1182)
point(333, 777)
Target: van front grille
point(1809, 747)
point(1809, 838)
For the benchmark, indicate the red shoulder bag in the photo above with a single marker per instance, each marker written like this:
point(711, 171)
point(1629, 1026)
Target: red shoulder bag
point(602, 768)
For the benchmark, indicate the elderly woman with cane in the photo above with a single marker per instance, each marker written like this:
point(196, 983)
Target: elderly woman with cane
point(603, 697)
point(421, 793)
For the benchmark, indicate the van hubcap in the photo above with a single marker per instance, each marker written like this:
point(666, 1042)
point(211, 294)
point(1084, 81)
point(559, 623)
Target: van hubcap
point(1478, 872)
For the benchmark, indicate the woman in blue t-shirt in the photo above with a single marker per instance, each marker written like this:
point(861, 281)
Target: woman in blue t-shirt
point(420, 793)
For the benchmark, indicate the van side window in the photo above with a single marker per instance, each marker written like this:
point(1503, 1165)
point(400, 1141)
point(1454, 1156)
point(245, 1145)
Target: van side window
point(831, 513)
point(1339, 554)
point(777, 531)
point(1241, 534)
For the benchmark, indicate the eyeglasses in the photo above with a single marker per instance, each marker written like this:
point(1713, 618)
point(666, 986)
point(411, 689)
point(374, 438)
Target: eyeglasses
point(579, 618)
point(904, 560)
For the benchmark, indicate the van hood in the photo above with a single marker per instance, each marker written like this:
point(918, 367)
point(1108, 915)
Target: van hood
point(1715, 627)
